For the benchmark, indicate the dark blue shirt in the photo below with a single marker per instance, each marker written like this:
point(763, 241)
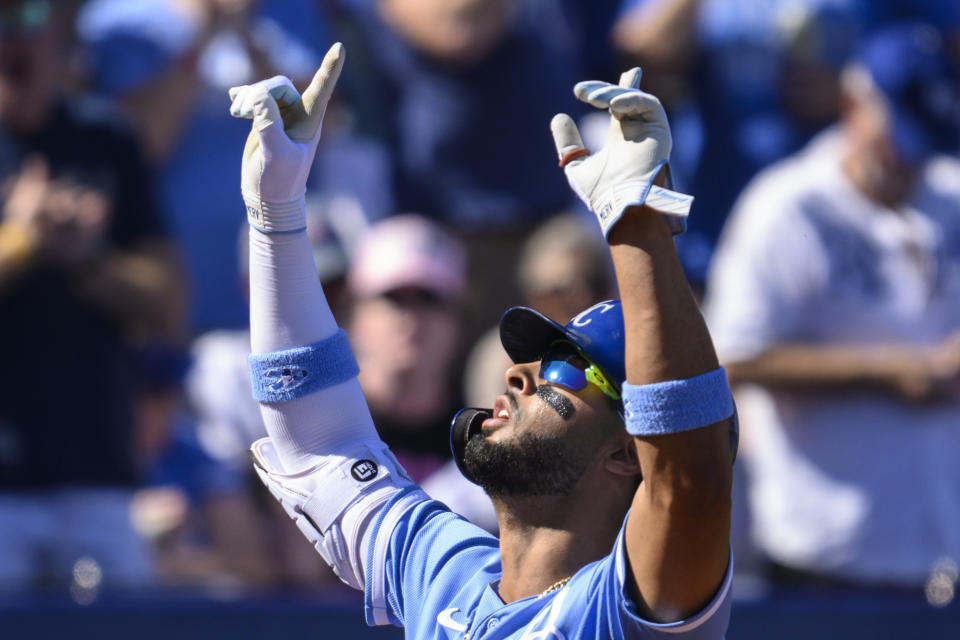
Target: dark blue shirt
point(66, 383)
point(470, 146)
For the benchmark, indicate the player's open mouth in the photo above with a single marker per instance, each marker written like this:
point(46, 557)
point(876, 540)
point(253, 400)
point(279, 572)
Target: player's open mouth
point(500, 414)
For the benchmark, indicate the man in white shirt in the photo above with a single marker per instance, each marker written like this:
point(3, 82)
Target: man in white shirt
point(834, 302)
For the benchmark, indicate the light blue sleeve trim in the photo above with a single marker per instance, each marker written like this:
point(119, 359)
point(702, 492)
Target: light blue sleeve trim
point(714, 616)
point(280, 376)
point(677, 405)
point(709, 620)
point(381, 607)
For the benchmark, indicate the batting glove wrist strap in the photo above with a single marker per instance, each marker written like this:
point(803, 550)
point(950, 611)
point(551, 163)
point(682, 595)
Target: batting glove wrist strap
point(610, 206)
point(275, 217)
point(280, 376)
point(675, 206)
point(677, 405)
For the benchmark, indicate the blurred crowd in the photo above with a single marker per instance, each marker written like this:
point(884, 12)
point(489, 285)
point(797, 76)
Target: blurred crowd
point(819, 138)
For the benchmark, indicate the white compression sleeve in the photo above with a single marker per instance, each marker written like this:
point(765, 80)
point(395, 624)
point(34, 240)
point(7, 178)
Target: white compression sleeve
point(289, 309)
point(287, 304)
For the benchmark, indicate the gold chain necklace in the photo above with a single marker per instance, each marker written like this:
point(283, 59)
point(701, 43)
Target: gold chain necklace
point(559, 584)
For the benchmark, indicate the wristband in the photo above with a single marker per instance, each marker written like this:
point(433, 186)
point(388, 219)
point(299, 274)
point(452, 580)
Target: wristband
point(677, 405)
point(289, 374)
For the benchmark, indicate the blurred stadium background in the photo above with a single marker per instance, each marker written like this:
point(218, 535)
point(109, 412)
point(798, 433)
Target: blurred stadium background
point(127, 505)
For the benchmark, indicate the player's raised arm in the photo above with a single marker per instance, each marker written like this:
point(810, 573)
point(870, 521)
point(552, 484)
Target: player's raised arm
point(323, 459)
point(676, 399)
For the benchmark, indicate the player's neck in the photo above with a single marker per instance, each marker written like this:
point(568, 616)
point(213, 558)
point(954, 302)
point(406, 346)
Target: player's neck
point(543, 541)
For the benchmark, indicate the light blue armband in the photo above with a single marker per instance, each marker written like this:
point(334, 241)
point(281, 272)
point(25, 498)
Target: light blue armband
point(285, 375)
point(677, 405)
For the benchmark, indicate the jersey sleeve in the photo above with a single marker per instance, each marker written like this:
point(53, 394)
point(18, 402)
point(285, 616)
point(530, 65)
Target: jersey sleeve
point(422, 556)
point(710, 623)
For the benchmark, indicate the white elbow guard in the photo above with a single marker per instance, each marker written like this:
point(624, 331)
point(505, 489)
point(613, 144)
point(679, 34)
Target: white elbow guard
point(335, 503)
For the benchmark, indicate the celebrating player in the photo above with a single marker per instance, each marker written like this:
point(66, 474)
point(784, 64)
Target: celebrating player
point(608, 457)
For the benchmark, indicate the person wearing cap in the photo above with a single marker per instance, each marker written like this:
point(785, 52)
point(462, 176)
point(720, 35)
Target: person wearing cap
point(608, 457)
point(833, 301)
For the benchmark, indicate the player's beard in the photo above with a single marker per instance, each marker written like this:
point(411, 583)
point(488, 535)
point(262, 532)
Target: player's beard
point(527, 465)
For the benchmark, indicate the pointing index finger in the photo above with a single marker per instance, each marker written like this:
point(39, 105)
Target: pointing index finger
point(317, 95)
point(630, 79)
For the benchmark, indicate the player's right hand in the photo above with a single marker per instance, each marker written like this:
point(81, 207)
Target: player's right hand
point(282, 142)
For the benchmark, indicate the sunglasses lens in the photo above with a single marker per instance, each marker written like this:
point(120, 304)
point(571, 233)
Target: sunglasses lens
point(562, 365)
point(564, 374)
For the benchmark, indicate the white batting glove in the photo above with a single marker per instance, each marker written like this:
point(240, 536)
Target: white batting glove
point(635, 152)
point(282, 143)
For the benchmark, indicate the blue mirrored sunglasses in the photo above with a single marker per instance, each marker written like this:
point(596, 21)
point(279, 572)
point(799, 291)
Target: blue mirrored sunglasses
point(565, 365)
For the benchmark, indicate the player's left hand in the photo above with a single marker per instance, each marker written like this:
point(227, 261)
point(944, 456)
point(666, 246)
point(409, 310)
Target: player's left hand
point(634, 155)
point(282, 142)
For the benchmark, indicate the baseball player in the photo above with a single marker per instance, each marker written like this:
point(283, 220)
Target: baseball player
point(608, 456)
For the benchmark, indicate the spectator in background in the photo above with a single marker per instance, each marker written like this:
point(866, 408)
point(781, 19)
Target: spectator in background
point(167, 64)
point(202, 523)
point(448, 88)
point(750, 82)
point(407, 283)
point(593, 22)
point(833, 301)
point(85, 272)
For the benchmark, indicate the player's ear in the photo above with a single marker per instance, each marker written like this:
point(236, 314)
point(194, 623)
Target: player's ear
point(623, 459)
